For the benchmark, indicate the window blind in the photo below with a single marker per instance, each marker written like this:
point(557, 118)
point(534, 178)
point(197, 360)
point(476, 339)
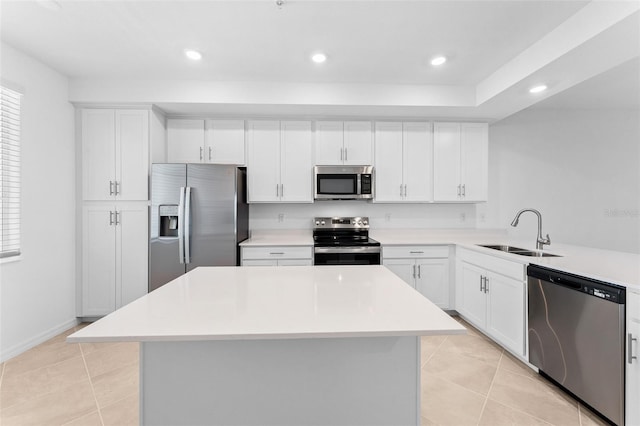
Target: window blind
point(10, 172)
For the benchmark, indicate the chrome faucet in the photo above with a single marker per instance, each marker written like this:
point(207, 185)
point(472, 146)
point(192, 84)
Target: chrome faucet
point(540, 242)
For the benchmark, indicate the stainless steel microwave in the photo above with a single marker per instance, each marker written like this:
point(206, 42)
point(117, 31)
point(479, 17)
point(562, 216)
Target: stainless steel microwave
point(343, 182)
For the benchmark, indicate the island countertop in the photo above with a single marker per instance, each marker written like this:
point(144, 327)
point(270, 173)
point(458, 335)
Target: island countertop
point(250, 303)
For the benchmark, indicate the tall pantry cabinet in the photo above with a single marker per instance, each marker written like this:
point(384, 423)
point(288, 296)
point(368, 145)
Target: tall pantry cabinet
point(114, 151)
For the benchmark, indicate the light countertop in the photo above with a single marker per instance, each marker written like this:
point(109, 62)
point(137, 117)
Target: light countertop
point(225, 303)
point(283, 237)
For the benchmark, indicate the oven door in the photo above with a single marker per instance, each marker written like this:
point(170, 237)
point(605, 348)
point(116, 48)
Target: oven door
point(346, 256)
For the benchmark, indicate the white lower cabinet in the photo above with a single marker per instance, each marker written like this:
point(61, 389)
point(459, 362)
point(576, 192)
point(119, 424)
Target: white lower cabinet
point(277, 256)
point(425, 268)
point(633, 360)
point(491, 295)
point(114, 256)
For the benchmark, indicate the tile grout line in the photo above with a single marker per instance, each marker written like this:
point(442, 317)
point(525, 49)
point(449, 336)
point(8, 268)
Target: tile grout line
point(93, 391)
point(490, 387)
point(434, 352)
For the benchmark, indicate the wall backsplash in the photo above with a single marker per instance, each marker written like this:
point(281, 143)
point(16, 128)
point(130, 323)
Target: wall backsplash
point(299, 216)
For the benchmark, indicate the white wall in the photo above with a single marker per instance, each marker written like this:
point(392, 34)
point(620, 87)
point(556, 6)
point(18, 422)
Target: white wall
point(37, 293)
point(580, 168)
point(299, 216)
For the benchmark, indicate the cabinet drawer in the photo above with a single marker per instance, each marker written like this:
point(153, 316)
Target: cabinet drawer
point(276, 252)
point(408, 252)
point(501, 266)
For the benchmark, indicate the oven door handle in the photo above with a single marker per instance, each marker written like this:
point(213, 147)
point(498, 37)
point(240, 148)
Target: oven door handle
point(345, 249)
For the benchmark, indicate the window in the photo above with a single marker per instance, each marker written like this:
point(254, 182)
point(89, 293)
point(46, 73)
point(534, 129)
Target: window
point(9, 173)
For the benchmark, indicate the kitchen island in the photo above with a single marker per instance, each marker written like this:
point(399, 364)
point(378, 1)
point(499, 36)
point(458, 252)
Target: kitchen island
point(278, 345)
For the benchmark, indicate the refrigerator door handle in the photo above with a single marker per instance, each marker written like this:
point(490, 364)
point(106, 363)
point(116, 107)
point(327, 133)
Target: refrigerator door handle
point(187, 225)
point(181, 227)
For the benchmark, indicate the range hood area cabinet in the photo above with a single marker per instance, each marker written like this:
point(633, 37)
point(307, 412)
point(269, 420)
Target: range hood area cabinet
point(404, 162)
point(280, 161)
point(346, 143)
point(460, 162)
point(205, 141)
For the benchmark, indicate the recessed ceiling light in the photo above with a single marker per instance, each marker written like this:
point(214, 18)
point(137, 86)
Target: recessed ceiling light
point(438, 60)
point(194, 55)
point(538, 89)
point(319, 58)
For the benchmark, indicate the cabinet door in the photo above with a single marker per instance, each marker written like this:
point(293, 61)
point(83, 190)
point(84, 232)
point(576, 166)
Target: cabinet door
point(132, 154)
point(404, 268)
point(357, 143)
point(296, 162)
point(633, 365)
point(132, 241)
point(225, 142)
point(505, 311)
point(329, 142)
point(474, 146)
point(98, 154)
point(432, 281)
point(263, 161)
point(98, 260)
point(417, 160)
point(446, 161)
point(185, 141)
point(388, 166)
point(471, 300)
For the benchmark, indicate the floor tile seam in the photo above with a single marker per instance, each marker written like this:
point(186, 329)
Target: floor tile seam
point(461, 387)
point(520, 411)
point(93, 391)
point(434, 352)
point(42, 367)
point(493, 379)
point(119, 400)
point(79, 417)
point(119, 367)
point(39, 366)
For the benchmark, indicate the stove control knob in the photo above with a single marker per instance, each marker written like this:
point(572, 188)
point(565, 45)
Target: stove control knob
point(360, 222)
point(364, 223)
point(317, 222)
point(322, 223)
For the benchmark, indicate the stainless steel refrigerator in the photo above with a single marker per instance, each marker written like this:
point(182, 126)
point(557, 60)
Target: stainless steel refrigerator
point(199, 214)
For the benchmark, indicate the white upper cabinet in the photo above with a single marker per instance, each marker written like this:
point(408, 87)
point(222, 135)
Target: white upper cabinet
point(115, 154)
point(280, 161)
point(460, 161)
point(210, 141)
point(343, 143)
point(404, 159)
point(185, 141)
point(224, 142)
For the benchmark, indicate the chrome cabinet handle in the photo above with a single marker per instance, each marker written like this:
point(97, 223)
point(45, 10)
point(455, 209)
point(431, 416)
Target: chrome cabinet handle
point(401, 190)
point(281, 190)
point(486, 285)
point(414, 271)
point(201, 153)
point(341, 154)
point(277, 190)
point(464, 190)
point(630, 340)
point(481, 277)
point(459, 190)
point(416, 252)
point(210, 149)
point(117, 218)
point(117, 192)
point(110, 187)
point(110, 218)
point(405, 190)
point(419, 272)
point(346, 155)
point(277, 252)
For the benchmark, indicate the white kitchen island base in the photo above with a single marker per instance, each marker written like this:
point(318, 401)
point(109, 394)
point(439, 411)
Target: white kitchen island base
point(330, 381)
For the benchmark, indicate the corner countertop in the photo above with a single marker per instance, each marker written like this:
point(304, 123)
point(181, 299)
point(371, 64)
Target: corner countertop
point(280, 237)
point(250, 303)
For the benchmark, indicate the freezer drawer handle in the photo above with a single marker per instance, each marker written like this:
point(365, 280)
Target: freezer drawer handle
point(630, 340)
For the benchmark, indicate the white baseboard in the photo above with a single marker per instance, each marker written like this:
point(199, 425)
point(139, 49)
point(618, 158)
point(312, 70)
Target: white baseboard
point(7, 354)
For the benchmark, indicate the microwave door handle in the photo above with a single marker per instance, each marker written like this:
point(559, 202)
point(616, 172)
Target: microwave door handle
point(358, 184)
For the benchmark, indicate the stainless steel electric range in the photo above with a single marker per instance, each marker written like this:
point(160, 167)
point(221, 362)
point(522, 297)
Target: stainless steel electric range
point(344, 241)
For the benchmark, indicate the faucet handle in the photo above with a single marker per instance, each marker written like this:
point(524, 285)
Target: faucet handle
point(547, 240)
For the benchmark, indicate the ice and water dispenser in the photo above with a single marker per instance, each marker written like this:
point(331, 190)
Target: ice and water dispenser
point(169, 220)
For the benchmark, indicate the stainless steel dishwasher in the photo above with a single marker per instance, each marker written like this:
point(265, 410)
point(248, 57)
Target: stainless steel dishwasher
point(576, 337)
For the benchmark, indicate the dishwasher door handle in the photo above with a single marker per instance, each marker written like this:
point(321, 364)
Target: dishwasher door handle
point(630, 340)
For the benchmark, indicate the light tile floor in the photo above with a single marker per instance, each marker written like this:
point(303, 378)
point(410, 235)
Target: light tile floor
point(466, 380)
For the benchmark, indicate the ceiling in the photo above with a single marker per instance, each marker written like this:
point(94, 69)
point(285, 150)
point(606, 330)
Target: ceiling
point(378, 52)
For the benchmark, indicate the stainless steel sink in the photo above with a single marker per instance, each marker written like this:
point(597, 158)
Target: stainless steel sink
point(518, 250)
